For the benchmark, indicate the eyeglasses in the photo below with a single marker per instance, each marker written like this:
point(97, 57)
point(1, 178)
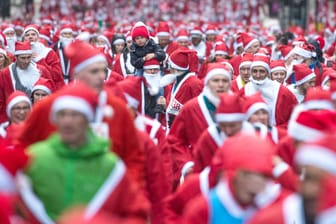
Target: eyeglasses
point(17, 109)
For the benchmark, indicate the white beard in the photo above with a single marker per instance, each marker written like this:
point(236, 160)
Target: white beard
point(167, 80)
point(66, 41)
point(258, 82)
point(153, 81)
point(210, 96)
point(11, 44)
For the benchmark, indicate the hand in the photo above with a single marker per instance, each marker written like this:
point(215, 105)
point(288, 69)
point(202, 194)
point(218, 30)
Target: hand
point(161, 100)
point(276, 160)
point(149, 56)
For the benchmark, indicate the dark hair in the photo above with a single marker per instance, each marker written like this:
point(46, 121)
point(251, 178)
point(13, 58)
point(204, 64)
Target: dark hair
point(116, 37)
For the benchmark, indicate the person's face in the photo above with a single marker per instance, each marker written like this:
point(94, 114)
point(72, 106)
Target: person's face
point(245, 73)
point(140, 41)
point(10, 33)
point(23, 61)
point(93, 75)
point(67, 35)
point(152, 71)
point(310, 187)
point(303, 88)
point(129, 43)
point(260, 116)
point(119, 47)
point(72, 126)
point(219, 84)
point(211, 37)
point(230, 128)
point(19, 112)
point(278, 76)
point(246, 185)
point(259, 73)
point(196, 40)
point(220, 56)
point(253, 48)
point(101, 42)
point(239, 50)
point(163, 41)
point(184, 43)
point(30, 36)
point(39, 95)
point(2, 60)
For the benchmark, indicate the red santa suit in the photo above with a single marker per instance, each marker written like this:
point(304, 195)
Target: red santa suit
point(8, 82)
point(122, 64)
point(242, 60)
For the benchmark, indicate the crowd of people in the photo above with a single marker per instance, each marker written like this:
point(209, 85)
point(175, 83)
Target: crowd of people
point(171, 122)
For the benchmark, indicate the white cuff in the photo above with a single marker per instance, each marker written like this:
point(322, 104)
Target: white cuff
point(279, 169)
point(184, 171)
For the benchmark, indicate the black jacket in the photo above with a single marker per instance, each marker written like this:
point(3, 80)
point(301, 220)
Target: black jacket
point(137, 53)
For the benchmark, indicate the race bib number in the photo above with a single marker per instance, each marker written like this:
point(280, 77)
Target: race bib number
point(101, 129)
point(174, 107)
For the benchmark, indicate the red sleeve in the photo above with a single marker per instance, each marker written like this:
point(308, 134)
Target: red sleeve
point(203, 152)
point(287, 100)
point(202, 71)
point(196, 212)
point(289, 180)
point(285, 149)
point(52, 63)
point(117, 66)
point(3, 114)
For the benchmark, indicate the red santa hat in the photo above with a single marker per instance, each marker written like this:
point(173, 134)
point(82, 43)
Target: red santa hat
point(211, 29)
point(216, 69)
point(22, 48)
point(328, 73)
point(229, 108)
point(117, 39)
point(31, 27)
point(152, 64)
point(299, 40)
point(196, 32)
point(14, 98)
point(184, 59)
point(45, 34)
point(3, 39)
point(44, 84)
point(286, 51)
point(132, 90)
point(7, 28)
point(221, 49)
point(261, 60)
point(312, 125)
point(247, 40)
point(162, 29)
point(89, 55)
point(140, 29)
point(76, 96)
point(182, 35)
point(318, 99)
point(321, 153)
point(256, 158)
point(278, 65)
point(302, 74)
point(66, 28)
point(254, 103)
point(304, 50)
point(270, 40)
point(107, 37)
point(247, 59)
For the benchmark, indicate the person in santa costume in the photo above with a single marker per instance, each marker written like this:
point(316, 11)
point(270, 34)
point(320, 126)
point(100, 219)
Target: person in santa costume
point(229, 121)
point(244, 72)
point(182, 38)
point(257, 114)
point(164, 38)
point(42, 88)
point(182, 83)
point(20, 75)
point(66, 37)
point(195, 116)
point(241, 190)
point(315, 201)
point(106, 187)
point(202, 47)
point(11, 38)
point(279, 99)
point(147, 90)
point(113, 120)
point(5, 61)
point(278, 71)
point(44, 55)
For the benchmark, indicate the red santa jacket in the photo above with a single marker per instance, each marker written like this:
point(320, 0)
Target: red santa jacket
point(120, 124)
point(7, 86)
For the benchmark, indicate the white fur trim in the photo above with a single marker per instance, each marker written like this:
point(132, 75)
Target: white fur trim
point(151, 66)
point(8, 29)
point(209, 32)
point(7, 183)
point(232, 117)
point(319, 104)
point(44, 37)
point(131, 101)
point(260, 63)
point(196, 32)
point(302, 52)
point(278, 68)
point(41, 87)
point(175, 66)
point(221, 52)
point(182, 38)
point(250, 43)
point(216, 71)
point(162, 34)
point(105, 191)
point(29, 29)
point(184, 171)
point(318, 156)
point(303, 133)
point(118, 41)
point(204, 181)
point(66, 30)
point(327, 216)
point(73, 103)
point(18, 52)
point(247, 63)
point(204, 110)
point(16, 100)
point(254, 108)
point(292, 210)
point(279, 169)
point(89, 61)
point(305, 79)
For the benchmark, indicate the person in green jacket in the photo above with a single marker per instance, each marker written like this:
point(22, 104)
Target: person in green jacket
point(74, 167)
